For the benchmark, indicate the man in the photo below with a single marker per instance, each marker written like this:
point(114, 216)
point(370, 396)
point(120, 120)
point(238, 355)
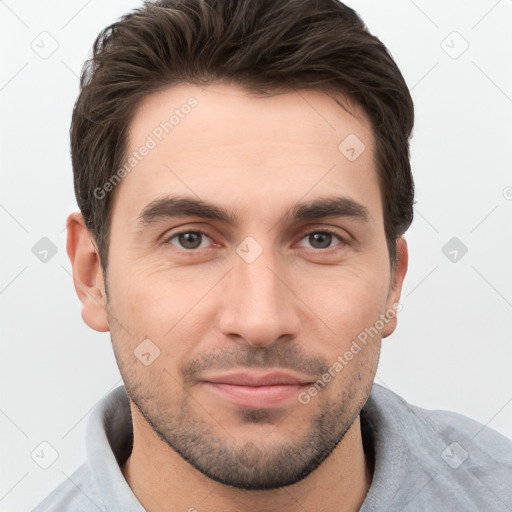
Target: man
point(242, 171)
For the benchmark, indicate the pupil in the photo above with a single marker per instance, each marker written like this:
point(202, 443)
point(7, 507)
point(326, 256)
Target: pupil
point(324, 239)
point(190, 240)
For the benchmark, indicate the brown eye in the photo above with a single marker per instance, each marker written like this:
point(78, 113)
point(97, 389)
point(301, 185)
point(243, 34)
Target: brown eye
point(188, 239)
point(322, 239)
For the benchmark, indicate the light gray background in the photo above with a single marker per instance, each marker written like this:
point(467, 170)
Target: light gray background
point(452, 349)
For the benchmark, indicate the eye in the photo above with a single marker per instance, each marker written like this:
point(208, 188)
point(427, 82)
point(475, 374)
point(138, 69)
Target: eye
point(189, 240)
point(322, 239)
point(192, 240)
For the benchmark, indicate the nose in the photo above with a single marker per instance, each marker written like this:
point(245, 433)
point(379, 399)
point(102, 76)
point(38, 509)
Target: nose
point(258, 307)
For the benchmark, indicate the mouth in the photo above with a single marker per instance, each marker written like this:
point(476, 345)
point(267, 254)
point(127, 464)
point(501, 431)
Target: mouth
point(256, 390)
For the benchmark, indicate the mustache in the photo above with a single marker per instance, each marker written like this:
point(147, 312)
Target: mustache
point(291, 357)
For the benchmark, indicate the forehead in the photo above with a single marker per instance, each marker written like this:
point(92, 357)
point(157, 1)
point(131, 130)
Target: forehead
point(227, 111)
point(221, 141)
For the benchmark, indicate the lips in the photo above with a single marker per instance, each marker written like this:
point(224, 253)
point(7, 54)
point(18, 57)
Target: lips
point(255, 379)
point(256, 390)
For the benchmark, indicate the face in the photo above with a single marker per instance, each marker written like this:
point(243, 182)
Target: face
point(248, 250)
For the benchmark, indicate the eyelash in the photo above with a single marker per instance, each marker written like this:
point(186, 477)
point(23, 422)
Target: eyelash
point(342, 240)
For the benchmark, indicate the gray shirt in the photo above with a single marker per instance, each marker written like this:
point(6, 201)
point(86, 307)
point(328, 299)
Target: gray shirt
point(423, 460)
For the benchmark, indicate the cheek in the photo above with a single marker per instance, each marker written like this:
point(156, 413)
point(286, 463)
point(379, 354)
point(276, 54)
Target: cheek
point(349, 300)
point(139, 304)
point(163, 305)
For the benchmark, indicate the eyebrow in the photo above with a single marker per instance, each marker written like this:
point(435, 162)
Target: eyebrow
point(181, 206)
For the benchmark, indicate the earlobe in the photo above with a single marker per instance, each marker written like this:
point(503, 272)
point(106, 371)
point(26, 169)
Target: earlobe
point(398, 276)
point(88, 276)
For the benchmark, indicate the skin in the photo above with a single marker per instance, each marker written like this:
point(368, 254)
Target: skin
point(298, 306)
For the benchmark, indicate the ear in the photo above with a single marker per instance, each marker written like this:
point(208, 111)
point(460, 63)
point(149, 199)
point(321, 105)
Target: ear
point(87, 273)
point(397, 278)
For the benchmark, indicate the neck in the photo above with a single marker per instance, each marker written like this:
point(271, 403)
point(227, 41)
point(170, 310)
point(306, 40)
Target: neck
point(158, 476)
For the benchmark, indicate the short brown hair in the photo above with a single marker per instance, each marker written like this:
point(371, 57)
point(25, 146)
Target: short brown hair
point(262, 45)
